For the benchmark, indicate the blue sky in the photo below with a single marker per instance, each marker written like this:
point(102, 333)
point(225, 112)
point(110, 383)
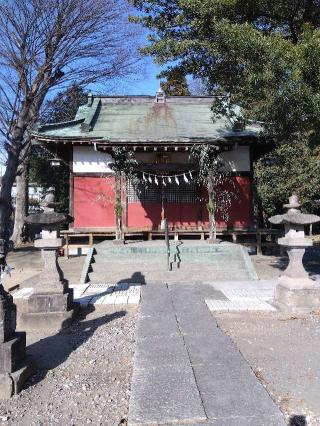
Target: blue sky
point(143, 82)
point(146, 83)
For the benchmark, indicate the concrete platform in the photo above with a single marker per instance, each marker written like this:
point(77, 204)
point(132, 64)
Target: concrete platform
point(189, 261)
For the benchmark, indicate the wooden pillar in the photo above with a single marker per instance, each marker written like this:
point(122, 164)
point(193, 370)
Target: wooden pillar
point(124, 203)
point(71, 185)
point(259, 245)
point(66, 250)
point(199, 207)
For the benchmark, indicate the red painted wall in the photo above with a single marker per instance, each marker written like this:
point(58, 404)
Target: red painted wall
point(240, 212)
point(93, 202)
point(149, 214)
point(94, 207)
point(190, 214)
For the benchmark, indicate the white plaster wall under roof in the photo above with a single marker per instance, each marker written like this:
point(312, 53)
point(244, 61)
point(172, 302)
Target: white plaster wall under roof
point(87, 160)
point(238, 158)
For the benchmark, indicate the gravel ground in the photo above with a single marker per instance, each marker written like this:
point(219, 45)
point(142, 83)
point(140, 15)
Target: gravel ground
point(83, 376)
point(284, 352)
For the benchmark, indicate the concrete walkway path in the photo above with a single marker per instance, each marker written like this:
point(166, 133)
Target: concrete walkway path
point(186, 371)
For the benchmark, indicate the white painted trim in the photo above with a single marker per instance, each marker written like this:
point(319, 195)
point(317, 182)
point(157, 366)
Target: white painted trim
point(87, 160)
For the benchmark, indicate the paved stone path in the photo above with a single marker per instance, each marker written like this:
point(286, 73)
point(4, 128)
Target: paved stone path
point(95, 294)
point(186, 371)
point(244, 296)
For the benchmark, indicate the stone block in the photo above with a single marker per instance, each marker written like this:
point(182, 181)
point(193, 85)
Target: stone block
point(22, 305)
point(55, 302)
point(52, 321)
point(21, 375)
point(118, 242)
point(166, 395)
point(297, 300)
point(7, 318)
point(12, 353)
point(233, 394)
point(48, 243)
point(6, 386)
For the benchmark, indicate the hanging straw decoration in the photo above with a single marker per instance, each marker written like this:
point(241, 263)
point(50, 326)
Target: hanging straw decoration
point(152, 178)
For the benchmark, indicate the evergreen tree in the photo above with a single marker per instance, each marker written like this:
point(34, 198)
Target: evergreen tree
point(260, 56)
point(64, 106)
point(175, 84)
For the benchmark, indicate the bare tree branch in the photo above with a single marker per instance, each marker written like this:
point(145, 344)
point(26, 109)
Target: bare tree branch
point(44, 45)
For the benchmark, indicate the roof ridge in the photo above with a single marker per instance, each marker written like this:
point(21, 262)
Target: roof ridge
point(47, 126)
point(86, 126)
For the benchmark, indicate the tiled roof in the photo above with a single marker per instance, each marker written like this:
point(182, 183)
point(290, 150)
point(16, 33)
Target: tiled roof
point(140, 118)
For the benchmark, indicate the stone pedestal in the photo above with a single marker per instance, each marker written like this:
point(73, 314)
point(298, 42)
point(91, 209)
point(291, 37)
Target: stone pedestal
point(295, 276)
point(15, 365)
point(213, 241)
point(120, 242)
point(296, 292)
point(51, 306)
point(295, 300)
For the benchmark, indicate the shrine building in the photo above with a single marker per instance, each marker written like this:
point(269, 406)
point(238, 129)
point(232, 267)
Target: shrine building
point(160, 130)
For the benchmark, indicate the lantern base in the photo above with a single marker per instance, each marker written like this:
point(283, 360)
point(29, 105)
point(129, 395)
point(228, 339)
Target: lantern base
point(296, 300)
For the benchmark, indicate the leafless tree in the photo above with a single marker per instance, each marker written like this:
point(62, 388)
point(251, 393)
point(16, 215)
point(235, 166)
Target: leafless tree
point(45, 44)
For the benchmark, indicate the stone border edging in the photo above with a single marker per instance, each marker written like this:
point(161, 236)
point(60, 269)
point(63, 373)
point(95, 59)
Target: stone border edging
point(86, 266)
point(249, 265)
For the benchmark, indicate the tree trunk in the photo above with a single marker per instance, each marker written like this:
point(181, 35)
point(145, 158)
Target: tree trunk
point(118, 206)
point(21, 209)
point(212, 227)
point(5, 199)
point(212, 218)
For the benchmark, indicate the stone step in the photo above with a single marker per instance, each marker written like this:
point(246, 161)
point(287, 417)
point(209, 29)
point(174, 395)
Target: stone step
point(210, 257)
point(166, 276)
point(112, 268)
point(132, 250)
point(201, 262)
point(205, 248)
point(131, 258)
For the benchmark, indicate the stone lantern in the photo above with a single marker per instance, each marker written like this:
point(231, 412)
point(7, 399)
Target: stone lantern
point(296, 291)
point(51, 304)
point(15, 365)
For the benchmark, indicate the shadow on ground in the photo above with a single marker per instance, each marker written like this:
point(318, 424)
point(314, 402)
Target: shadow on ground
point(136, 278)
point(297, 421)
point(51, 351)
point(311, 261)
